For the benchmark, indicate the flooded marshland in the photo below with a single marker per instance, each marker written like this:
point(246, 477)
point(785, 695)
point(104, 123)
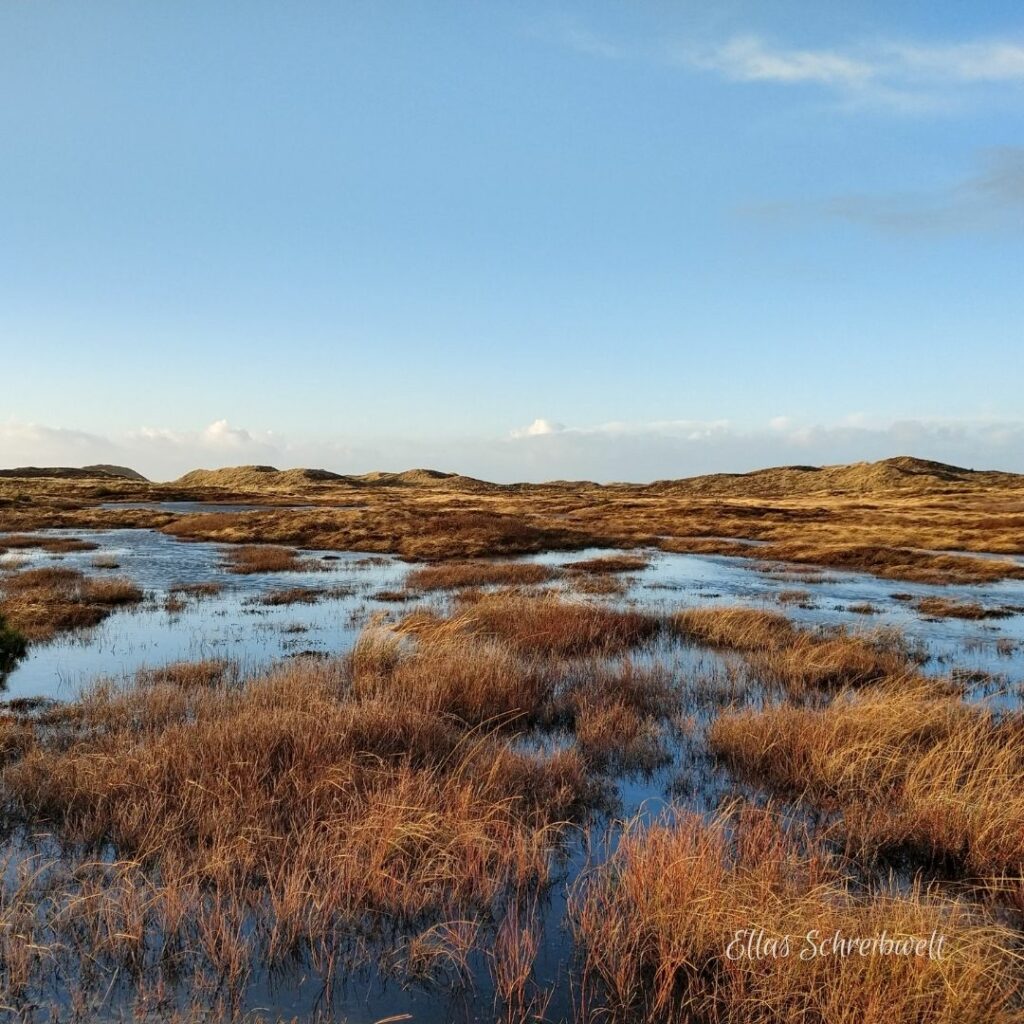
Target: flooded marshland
point(434, 964)
point(347, 588)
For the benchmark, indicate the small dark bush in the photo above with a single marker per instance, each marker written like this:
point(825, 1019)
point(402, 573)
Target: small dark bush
point(12, 646)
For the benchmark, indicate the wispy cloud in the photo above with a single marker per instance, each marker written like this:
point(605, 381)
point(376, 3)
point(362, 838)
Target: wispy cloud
point(994, 60)
point(899, 75)
point(750, 59)
point(989, 200)
point(902, 76)
point(583, 40)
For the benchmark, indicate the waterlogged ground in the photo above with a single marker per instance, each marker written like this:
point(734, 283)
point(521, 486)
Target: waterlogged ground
point(234, 624)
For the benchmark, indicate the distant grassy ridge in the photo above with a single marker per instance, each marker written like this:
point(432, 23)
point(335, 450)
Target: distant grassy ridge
point(902, 473)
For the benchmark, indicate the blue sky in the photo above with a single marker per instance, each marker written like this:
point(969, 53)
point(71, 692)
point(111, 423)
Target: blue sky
point(523, 240)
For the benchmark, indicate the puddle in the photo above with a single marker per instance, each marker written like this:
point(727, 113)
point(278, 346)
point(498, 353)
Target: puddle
point(231, 624)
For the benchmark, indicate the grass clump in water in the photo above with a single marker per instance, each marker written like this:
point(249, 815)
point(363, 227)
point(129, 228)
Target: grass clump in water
point(667, 921)
point(40, 603)
point(478, 573)
point(916, 775)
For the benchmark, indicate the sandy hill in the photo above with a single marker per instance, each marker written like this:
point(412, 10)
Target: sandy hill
point(255, 478)
point(902, 473)
point(408, 477)
point(102, 472)
point(425, 478)
point(121, 471)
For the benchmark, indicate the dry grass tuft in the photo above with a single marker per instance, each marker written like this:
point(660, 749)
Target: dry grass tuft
point(250, 558)
point(797, 659)
point(55, 545)
point(916, 773)
point(739, 629)
point(292, 595)
point(452, 575)
point(189, 675)
point(476, 681)
point(111, 593)
point(657, 921)
point(809, 751)
point(604, 585)
point(511, 961)
point(618, 712)
point(892, 561)
point(862, 608)
point(39, 603)
point(428, 626)
point(550, 625)
point(608, 564)
point(946, 608)
point(830, 661)
point(16, 737)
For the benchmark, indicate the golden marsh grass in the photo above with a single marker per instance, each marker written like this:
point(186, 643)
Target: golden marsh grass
point(656, 922)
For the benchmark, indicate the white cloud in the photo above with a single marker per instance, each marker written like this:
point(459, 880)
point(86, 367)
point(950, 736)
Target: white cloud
point(538, 428)
point(221, 434)
point(749, 59)
point(218, 434)
point(154, 451)
point(609, 451)
point(34, 444)
point(992, 61)
point(901, 76)
point(692, 429)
